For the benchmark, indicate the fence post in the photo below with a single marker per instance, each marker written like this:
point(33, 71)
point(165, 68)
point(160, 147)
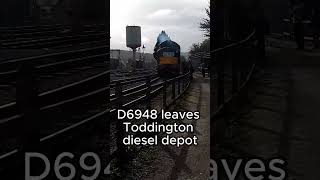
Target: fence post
point(120, 130)
point(173, 89)
point(28, 129)
point(220, 79)
point(28, 104)
point(148, 93)
point(179, 89)
point(164, 91)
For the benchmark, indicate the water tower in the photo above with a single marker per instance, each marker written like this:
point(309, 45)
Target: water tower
point(133, 36)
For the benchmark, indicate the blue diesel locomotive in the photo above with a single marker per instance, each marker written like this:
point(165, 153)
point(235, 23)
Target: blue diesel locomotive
point(167, 54)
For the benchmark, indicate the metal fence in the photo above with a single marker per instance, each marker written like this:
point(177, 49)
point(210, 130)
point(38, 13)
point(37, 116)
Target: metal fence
point(232, 68)
point(33, 113)
point(163, 93)
point(72, 97)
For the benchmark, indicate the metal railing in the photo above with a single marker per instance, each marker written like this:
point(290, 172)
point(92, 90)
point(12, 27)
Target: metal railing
point(231, 71)
point(232, 67)
point(87, 95)
point(166, 92)
point(96, 89)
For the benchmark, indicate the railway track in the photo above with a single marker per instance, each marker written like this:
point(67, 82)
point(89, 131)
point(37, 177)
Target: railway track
point(63, 121)
point(51, 80)
point(45, 30)
point(85, 89)
point(52, 42)
point(54, 61)
point(61, 108)
point(50, 37)
point(68, 108)
point(54, 70)
point(64, 102)
point(92, 105)
point(87, 71)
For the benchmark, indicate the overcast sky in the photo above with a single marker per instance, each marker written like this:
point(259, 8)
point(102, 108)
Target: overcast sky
point(179, 18)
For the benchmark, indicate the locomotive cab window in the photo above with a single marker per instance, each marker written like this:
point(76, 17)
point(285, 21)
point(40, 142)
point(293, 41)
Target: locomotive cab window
point(168, 54)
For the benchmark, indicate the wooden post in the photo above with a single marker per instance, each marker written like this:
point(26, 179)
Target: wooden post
point(220, 78)
point(179, 89)
point(27, 101)
point(173, 90)
point(164, 92)
point(28, 129)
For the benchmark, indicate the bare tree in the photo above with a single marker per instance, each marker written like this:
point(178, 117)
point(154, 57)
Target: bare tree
point(205, 24)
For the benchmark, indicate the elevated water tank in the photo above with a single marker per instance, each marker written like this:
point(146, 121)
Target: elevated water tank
point(133, 36)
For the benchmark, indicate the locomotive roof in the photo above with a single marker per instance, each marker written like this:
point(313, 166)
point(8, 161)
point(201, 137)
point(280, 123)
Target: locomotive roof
point(163, 37)
point(170, 43)
point(163, 41)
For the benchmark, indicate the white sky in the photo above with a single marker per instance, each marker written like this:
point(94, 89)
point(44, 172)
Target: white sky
point(179, 18)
